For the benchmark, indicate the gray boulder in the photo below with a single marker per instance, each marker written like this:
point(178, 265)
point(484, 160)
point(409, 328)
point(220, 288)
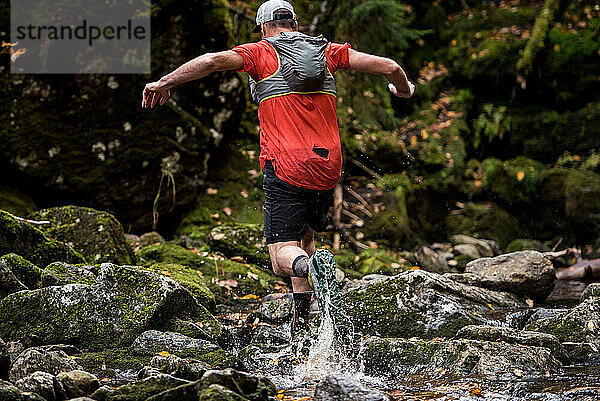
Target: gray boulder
point(9, 282)
point(482, 248)
point(527, 273)
point(421, 304)
point(580, 324)
point(245, 240)
point(121, 304)
point(469, 250)
point(513, 336)
point(275, 309)
point(152, 341)
point(35, 359)
point(59, 273)
point(338, 387)
point(41, 383)
point(78, 383)
point(461, 357)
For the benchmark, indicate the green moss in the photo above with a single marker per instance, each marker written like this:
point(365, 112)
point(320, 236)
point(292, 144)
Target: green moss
point(67, 274)
point(191, 279)
point(220, 359)
point(32, 244)
point(95, 234)
point(111, 359)
point(245, 240)
point(27, 273)
point(246, 278)
point(565, 329)
point(381, 261)
point(536, 42)
point(522, 244)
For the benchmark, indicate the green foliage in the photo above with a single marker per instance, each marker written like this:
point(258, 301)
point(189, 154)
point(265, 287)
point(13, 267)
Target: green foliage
point(492, 123)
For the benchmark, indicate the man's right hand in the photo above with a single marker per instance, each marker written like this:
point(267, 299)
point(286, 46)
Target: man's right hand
point(394, 90)
point(153, 92)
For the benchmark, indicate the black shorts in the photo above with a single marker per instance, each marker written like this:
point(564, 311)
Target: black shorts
point(290, 210)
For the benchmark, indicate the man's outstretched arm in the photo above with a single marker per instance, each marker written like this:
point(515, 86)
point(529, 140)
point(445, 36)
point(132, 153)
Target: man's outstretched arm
point(197, 68)
point(399, 83)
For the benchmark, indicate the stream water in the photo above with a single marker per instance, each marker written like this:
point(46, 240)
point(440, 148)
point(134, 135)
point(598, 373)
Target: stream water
point(577, 382)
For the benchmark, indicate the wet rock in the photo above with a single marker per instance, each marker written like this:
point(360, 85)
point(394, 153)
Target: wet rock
point(188, 369)
point(480, 248)
point(376, 261)
point(14, 349)
point(580, 324)
point(431, 261)
point(97, 235)
point(462, 357)
point(592, 290)
point(143, 389)
point(41, 383)
point(527, 273)
point(422, 304)
point(512, 336)
point(582, 353)
point(245, 240)
point(543, 313)
point(275, 309)
point(270, 335)
point(120, 305)
point(152, 341)
point(82, 399)
point(78, 383)
point(149, 371)
point(32, 244)
point(151, 238)
point(36, 359)
point(66, 348)
point(59, 273)
point(9, 392)
point(342, 388)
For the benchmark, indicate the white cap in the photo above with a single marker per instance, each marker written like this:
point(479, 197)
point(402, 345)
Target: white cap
point(267, 9)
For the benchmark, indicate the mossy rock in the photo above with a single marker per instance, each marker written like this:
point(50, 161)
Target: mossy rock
point(245, 240)
point(582, 203)
point(191, 279)
point(112, 312)
point(484, 220)
point(32, 244)
point(16, 202)
point(417, 303)
point(225, 278)
point(143, 389)
point(59, 273)
point(26, 272)
point(523, 244)
point(111, 360)
point(97, 235)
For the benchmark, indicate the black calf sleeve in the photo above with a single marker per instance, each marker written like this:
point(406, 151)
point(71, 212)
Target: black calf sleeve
point(300, 266)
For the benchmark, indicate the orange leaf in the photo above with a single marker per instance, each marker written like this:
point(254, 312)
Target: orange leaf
point(163, 353)
point(520, 175)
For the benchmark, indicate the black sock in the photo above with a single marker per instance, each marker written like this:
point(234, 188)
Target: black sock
point(300, 266)
point(301, 305)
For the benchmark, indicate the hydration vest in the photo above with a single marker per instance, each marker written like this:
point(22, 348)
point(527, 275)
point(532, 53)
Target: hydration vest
point(302, 68)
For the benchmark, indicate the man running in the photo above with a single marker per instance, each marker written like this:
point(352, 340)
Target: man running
point(291, 78)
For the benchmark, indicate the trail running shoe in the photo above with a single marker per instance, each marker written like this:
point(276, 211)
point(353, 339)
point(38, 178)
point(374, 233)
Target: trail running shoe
point(321, 277)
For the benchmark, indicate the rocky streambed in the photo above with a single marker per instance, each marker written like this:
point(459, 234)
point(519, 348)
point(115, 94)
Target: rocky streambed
point(189, 319)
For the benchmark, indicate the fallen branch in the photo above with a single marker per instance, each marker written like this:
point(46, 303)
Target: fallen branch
point(32, 221)
point(358, 206)
point(583, 269)
point(368, 170)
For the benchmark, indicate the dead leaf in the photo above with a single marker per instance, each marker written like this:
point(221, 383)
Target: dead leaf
point(250, 296)
point(218, 236)
point(253, 276)
point(165, 273)
point(476, 391)
point(228, 283)
point(244, 193)
point(529, 302)
point(227, 211)
point(212, 191)
point(238, 259)
point(518, 372)
point(163, 353)
point(520, 176)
